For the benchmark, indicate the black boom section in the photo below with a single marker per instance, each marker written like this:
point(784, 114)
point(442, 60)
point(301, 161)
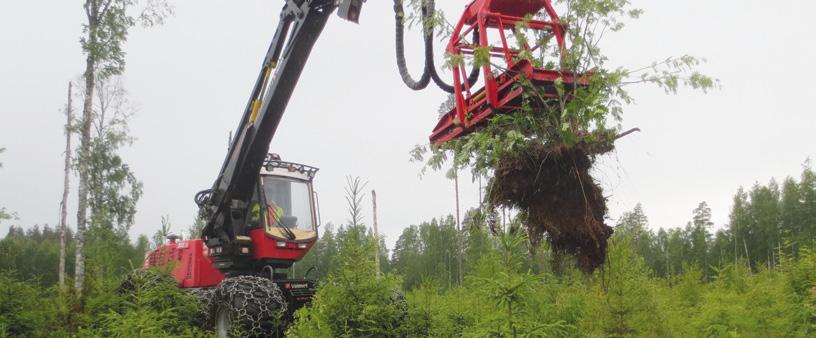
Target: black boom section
point(286, 75)
point(300, 25)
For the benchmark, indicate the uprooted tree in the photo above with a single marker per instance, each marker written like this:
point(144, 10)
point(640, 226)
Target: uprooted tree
point(539, 155)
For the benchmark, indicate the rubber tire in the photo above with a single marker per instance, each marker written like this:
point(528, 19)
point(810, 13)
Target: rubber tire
point(248, 306)
point(204, 296)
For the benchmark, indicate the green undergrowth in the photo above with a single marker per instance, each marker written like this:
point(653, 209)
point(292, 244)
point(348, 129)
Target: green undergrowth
point(503, 296)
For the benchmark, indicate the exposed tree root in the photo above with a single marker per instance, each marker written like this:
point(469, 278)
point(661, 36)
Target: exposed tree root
point(552, 187)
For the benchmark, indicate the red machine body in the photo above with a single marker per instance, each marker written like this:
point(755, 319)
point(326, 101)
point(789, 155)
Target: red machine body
point(500, 93)
point(190, 261)
point(192, 266)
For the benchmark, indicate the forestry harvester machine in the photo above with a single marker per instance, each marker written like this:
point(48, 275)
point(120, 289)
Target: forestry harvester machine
point(260, 214)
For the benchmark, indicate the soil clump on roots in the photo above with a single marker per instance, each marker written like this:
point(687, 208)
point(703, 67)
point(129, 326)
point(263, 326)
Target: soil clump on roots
point(552, 187)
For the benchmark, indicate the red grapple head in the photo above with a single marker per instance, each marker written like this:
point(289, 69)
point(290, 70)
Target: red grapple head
point(475, 106)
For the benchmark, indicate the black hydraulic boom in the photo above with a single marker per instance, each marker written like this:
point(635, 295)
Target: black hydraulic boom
point(224, 206)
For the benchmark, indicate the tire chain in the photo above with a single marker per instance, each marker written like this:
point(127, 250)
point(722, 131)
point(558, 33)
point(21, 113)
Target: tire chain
point(256, 304)
point(205, 300)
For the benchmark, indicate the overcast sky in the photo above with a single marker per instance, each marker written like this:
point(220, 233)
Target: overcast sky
point(351, 114)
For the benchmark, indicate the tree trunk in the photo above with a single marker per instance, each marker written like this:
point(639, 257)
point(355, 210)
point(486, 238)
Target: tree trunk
point(736, 255)
point(458, 230)
point(376, 232)
point(65, 188)
point(747, 256)
point(85, 146)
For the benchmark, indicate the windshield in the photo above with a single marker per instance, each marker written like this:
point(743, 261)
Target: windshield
point(290, 203)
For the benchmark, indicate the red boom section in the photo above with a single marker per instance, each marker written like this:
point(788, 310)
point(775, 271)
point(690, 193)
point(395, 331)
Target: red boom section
point(192, 266)
point(500, 94)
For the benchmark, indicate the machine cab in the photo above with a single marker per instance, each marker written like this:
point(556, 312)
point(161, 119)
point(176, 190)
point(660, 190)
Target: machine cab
point(282, 217)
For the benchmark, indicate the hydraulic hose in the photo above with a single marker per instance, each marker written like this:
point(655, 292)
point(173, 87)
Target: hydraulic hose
point(429, 72)
point(472, 77)
point(399, 15)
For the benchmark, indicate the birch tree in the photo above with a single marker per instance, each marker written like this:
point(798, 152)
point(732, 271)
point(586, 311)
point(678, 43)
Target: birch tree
point(65, 188)
point(103, 37)
point(113, 189)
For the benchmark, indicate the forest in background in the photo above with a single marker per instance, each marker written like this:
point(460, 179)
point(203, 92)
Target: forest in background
point(755, 277)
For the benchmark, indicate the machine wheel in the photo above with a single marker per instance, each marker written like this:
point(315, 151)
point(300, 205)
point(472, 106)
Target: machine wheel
point(248, 306)
point(205, 298)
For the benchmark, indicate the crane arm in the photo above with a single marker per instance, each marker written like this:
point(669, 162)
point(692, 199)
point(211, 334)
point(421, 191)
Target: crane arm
point(301, 23)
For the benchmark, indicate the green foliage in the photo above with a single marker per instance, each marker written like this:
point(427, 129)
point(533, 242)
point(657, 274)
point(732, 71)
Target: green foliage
point(195, 229)
point(5, 215)
point(20, 312)
point(107, 29)
point(739, 303)
point(354, 301)
point(767, 223)
point(321, 257)
point(161, 234)
point(428, 251)
point(634, 225)
point(34, 253)
point(110, 254)
point(158, 309)
point(652, 285)
point(700, 236)
point(153, 306)
point(38, 307)
point(624, 303)
point(510, 289)
point(506, 292)
point(621, 300)
point(113, 189)
point(436, 23)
